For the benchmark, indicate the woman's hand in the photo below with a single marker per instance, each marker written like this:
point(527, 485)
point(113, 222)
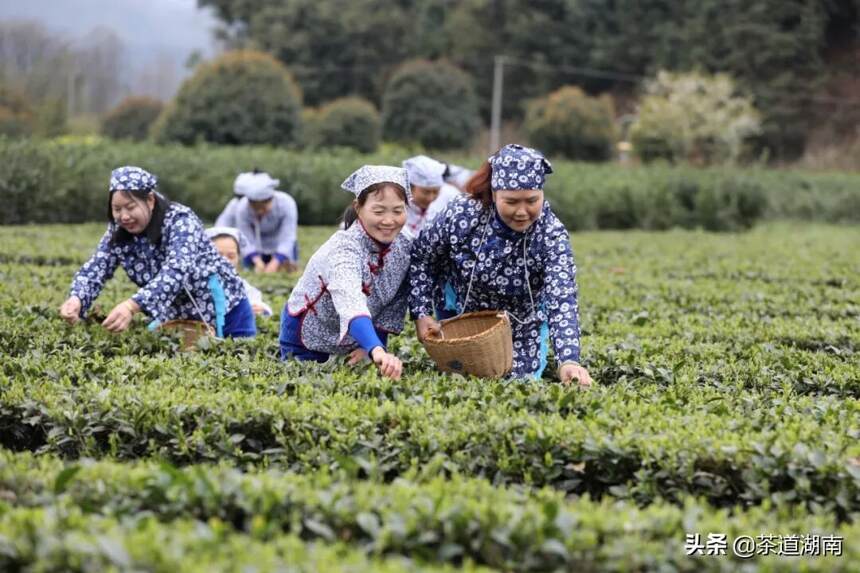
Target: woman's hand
point(272, 266)
point(570, 371)
point(388, 364)
point(120, 317)
point(259, 265)
point(70, 311)
point(426, 325)
point(356, 356)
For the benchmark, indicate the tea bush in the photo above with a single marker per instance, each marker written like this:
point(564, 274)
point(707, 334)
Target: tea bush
point(66, 181)
point(727, 402)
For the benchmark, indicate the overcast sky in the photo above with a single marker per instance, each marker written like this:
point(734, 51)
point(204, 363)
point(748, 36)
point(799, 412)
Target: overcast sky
point(149, 29)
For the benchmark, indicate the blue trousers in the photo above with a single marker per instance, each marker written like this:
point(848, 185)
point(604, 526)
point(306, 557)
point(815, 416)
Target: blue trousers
point(291, 341)
point(240, 322)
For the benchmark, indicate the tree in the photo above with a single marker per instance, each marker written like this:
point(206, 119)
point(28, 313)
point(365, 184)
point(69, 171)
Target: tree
point(335, 48)
point(347, 122)
point(773, 48)
point(432, 103)
point(97, 61)
point(242, 97)
point(570, 123)
point(84, 74)
point(16, 115)
point(33, 60)
point(132, 118)
point(693, 117)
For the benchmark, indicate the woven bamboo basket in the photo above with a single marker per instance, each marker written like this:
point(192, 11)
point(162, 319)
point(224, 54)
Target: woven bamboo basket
point(477, 343)
point(189, 330)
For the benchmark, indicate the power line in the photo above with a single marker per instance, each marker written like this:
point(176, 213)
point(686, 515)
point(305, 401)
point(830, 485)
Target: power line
point(576, 70)
point(613, 75)
point(638, 78)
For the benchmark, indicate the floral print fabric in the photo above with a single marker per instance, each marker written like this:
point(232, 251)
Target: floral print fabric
point(351, 275)
point(183, 259)
point(447, 252)
point(516, 167)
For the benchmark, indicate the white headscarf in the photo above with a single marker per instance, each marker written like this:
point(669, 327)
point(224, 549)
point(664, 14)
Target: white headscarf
point(231, 232)
point(255, 186)
point(424, 171)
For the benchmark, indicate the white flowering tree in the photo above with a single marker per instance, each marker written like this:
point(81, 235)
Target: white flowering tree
point(693, 117)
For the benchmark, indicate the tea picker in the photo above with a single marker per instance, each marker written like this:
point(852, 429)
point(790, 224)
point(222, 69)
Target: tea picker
point(501, 248)
point(353, 292)
point(430, 192)
point(230, 243)
point(164, 250)
point(227, 218)
point(269, 219)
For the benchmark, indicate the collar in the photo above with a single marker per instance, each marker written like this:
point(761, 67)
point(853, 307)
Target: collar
point(153, 230)
point(502, 229)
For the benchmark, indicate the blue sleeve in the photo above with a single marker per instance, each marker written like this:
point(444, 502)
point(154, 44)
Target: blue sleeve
point(429, 251)
point(245, 223)
point(182, 240)
point(288, 231)
point(559, 296)
point(90, 279)
point(361, 329)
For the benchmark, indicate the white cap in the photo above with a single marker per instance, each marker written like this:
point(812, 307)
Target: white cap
point(255, 186)
point(232, 232)
point(424, 171)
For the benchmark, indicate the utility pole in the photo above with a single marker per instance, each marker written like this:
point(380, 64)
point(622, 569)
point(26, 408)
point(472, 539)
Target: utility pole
point(496, 118)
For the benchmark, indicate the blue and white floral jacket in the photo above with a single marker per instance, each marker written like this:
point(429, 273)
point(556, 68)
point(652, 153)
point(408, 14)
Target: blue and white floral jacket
point(166, 271)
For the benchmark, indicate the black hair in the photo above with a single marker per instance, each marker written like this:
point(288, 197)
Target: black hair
point(350, 214)
point(156, 220)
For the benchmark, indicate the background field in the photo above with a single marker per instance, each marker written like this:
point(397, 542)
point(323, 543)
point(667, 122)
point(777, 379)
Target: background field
point(727, 402)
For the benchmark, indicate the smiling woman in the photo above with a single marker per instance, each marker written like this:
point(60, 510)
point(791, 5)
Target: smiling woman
point(353, 291)
point(132, 210)
point(381, 210)
point(164, 250)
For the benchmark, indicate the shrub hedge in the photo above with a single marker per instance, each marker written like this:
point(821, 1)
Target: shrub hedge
point(570, 123)
point(48, 182)
point(346, 122)
point(132, 118)
point(432, 103)
point(241, 98)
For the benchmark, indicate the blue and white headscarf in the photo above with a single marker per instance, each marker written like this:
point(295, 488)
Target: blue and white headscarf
point(518, 168)
point(131, 178)
point(368, 175)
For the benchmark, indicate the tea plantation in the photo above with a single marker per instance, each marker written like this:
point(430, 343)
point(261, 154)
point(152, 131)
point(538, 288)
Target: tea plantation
point(727, 406)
